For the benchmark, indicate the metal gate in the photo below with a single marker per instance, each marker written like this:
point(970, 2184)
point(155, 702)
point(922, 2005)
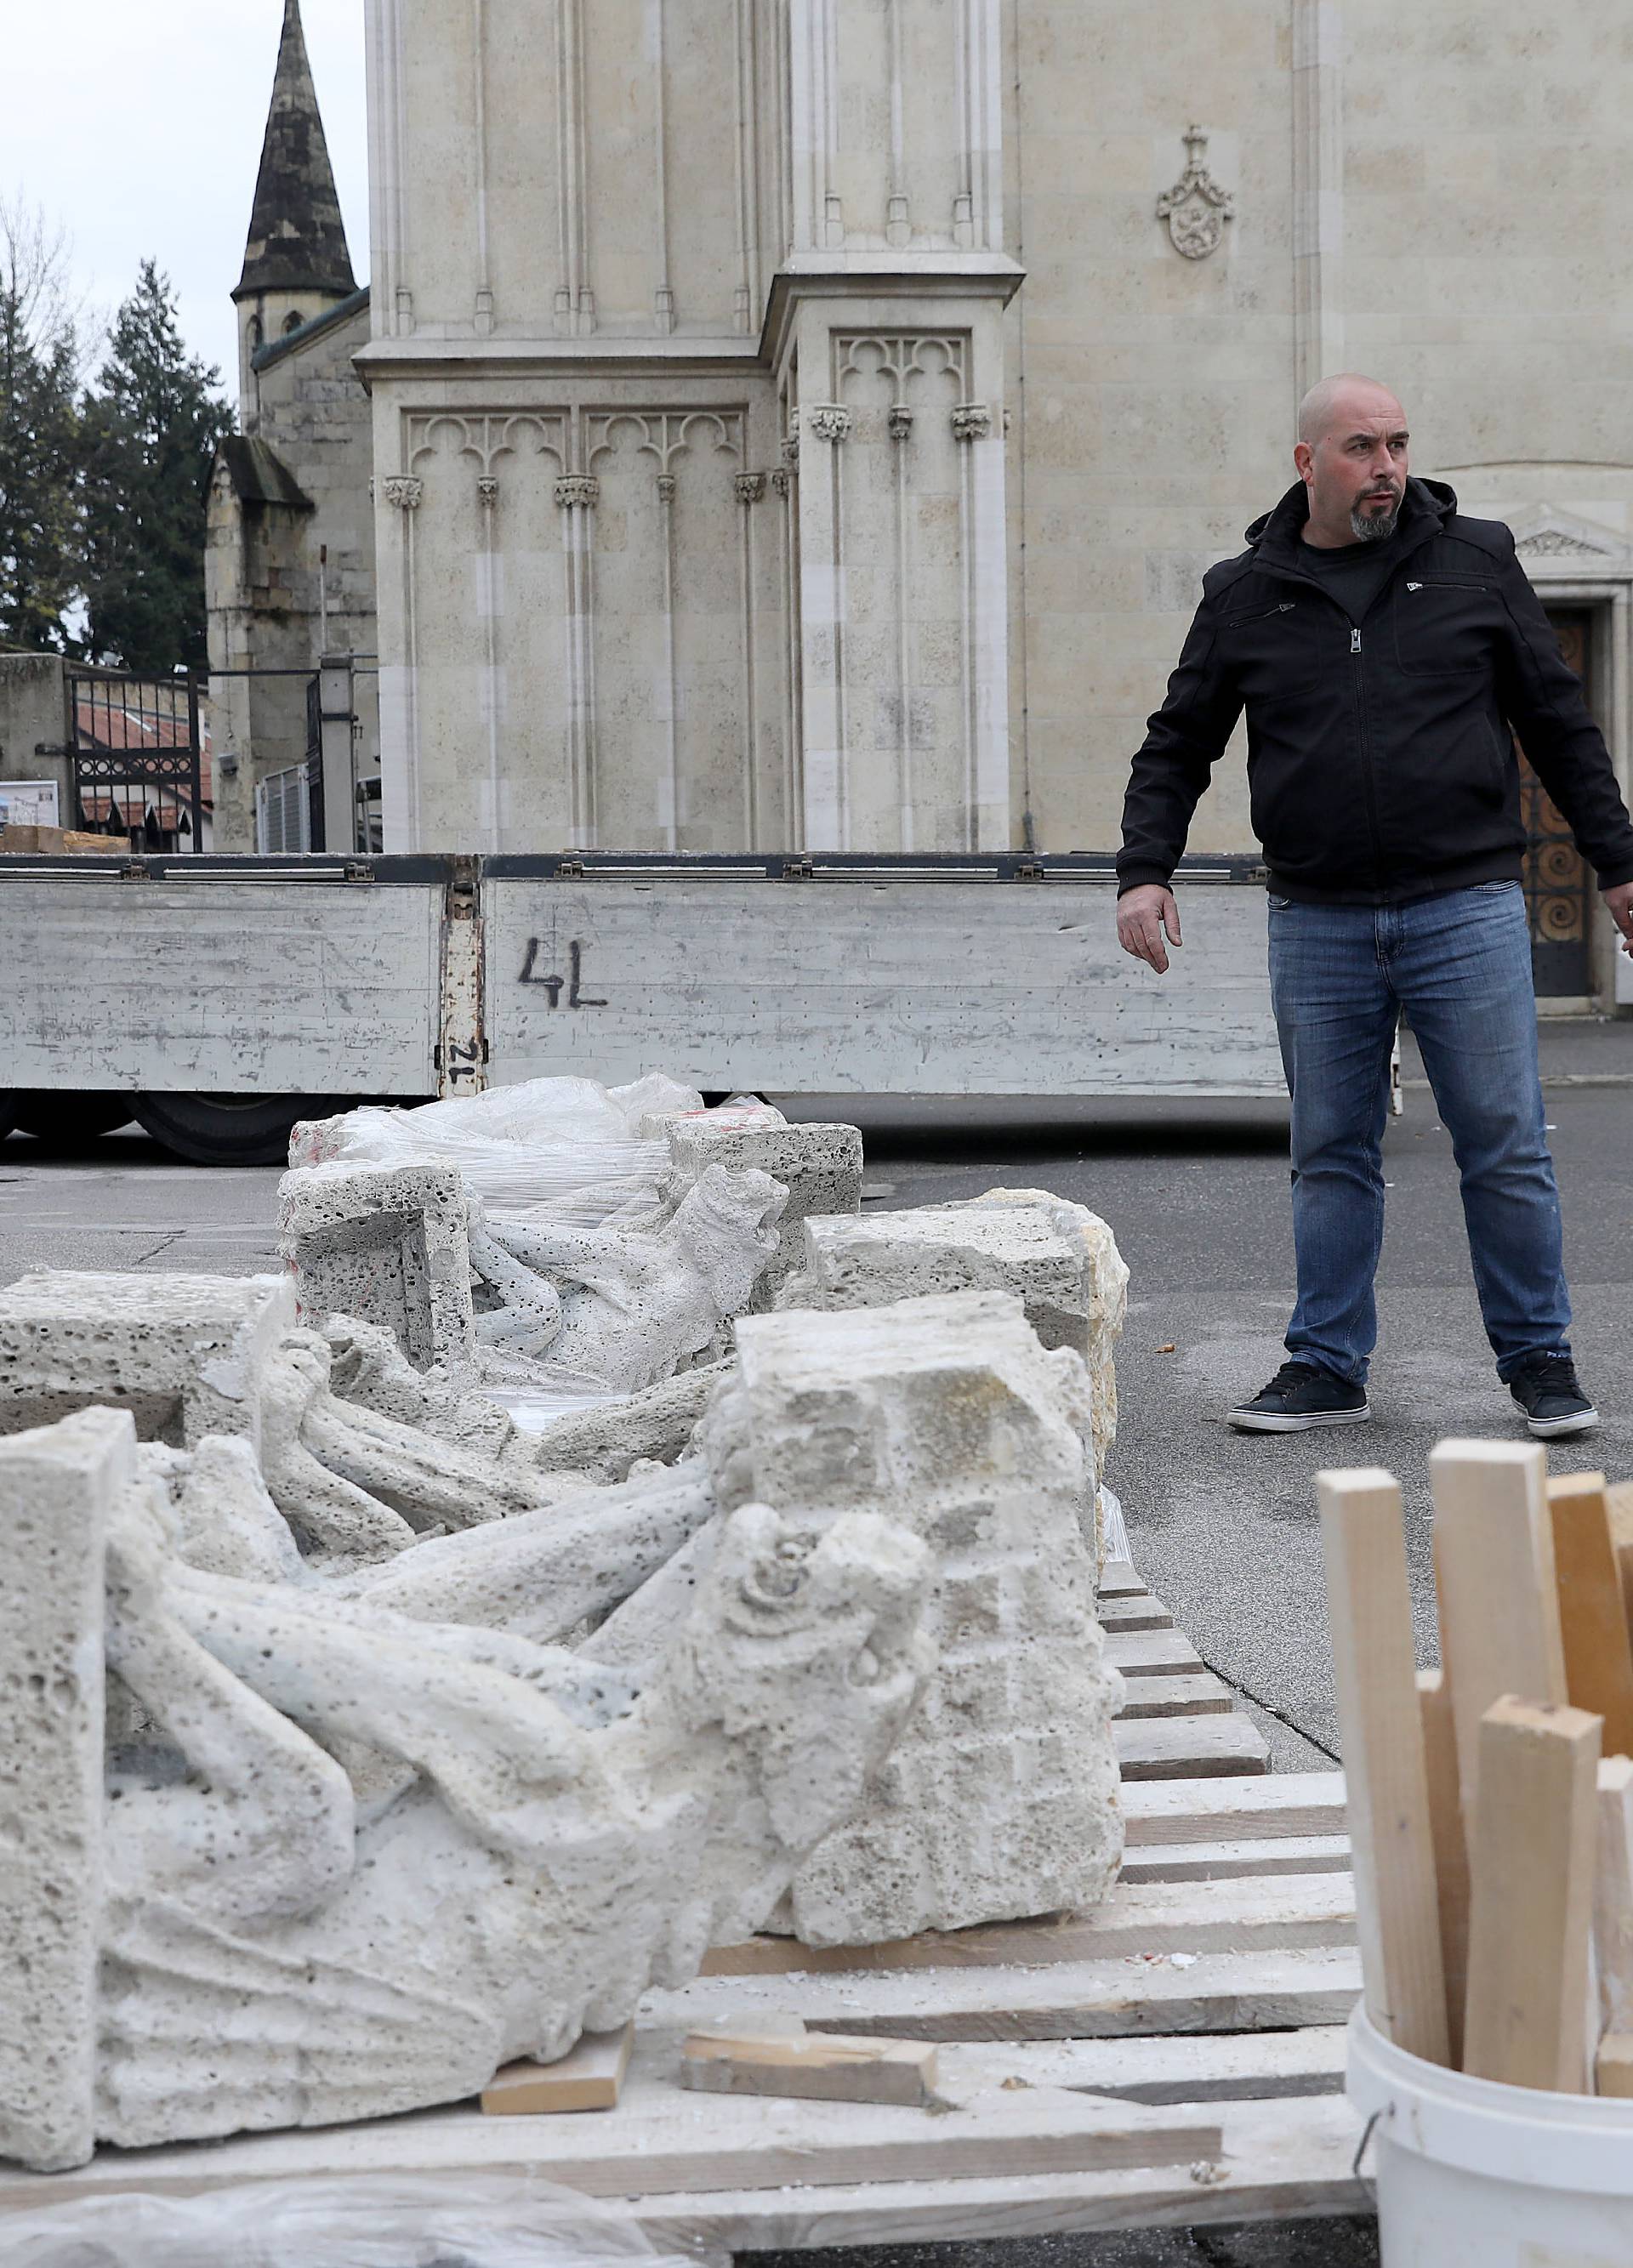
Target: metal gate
point(137, 755)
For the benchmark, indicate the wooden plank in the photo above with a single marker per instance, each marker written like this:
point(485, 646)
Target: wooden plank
point(1305, 1909)
point(1177, 1696)
point(1245, 2067)
point(589, 2077)
point(1281, 2160)
point(1224, 1862)
point(1152, 1653)
point(1118, 1580)
point(1446, 1823)
point(1205, 1811)
point(815, 2067)
point(1142, 1613)
point(1189, 1748)
point(1370, 1611)
point(1593, 1622)
point(1081, 2000)
point(1273, 2159)
point(1613, 1896)
point(1613, 2066)
point(1531, 1897)
point(1619, 1511)
point(1493, 1568)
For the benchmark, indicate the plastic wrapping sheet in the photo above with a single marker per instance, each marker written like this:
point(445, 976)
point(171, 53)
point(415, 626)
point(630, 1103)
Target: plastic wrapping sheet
point(370, 2222)
point(571, 1145)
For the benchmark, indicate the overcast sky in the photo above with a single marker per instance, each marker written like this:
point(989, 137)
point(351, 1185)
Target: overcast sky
point(137, 124)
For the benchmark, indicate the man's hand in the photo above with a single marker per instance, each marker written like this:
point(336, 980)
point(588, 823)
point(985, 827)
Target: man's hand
point(1621, 903)
point(1142, 915)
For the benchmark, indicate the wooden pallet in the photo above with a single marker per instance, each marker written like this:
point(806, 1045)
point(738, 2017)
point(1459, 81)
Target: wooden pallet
point(1174, 2058)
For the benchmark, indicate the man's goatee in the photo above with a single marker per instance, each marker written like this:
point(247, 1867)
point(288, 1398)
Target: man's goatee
point(1374, 531)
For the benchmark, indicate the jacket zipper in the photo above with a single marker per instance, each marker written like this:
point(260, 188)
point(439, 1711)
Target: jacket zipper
point(1438, 586)
point(1368, 783)
point(1259, 615)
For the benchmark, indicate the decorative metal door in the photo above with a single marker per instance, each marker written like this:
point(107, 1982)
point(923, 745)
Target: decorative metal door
point(1558, 886)
point(138, 758)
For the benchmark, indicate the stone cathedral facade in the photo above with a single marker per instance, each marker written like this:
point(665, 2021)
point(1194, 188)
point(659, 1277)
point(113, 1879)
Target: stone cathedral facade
point(804, 423)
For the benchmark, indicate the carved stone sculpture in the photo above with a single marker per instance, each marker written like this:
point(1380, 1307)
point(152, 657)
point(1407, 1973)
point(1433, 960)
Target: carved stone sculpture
point(1001, 1800)
point(820, 1165)
point(237, 1941)
point(387, 1244)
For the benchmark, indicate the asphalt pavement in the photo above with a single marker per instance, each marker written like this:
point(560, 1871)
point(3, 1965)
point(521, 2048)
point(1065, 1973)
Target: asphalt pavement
point(1223, 1526)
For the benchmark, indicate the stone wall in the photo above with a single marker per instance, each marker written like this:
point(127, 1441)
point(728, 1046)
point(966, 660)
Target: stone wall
point(736, 491)
point(34, 713)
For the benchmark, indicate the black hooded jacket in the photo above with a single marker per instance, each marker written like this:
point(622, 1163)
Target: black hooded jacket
point(1379, 762)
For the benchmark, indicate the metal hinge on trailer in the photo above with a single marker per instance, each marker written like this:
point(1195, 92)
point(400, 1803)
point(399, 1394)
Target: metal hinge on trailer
point(1030, 870)
point(136, 870)
point(798, 870)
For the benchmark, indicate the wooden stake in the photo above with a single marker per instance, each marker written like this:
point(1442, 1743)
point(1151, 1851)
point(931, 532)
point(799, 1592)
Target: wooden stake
point(1619, 1510)
point(1396, 1913)
point(823, 2066)
point(589, 2077)
point(1612, 1895)
point(1494, 1566)
point(1450, 1839)
point(1612, 2066)
point(1531, 1897)
point(1594, 1621)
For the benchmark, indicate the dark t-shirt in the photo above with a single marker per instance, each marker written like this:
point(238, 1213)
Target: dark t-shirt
point(1354, 574)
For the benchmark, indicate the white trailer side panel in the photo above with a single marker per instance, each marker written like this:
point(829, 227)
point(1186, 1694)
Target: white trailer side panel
point(221, 987)
point(892, 988)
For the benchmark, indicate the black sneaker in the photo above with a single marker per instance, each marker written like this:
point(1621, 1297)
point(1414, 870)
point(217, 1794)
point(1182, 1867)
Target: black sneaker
point(1545, 1387)
point(1300, 1395)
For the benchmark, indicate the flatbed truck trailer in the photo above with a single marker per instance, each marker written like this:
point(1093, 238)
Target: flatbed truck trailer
point(217, 1000)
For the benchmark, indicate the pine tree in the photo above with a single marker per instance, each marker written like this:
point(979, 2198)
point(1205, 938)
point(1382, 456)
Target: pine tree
point(153, 420)
point(40, 440)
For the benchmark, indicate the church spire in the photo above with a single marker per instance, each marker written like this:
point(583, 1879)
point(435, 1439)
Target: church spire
point(297, 236)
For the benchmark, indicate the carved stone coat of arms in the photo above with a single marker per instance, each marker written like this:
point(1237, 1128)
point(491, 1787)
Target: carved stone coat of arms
point(1196, 209)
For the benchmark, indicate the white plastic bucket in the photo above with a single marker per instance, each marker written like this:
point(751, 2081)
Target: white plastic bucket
point(1472, 2175)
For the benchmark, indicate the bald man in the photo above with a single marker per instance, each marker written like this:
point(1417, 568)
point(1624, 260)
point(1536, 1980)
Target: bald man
point(1382, 646)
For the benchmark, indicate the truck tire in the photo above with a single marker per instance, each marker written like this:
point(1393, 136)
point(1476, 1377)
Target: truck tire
point(227, 1129)
point(68, 1116)
point(8, 1111)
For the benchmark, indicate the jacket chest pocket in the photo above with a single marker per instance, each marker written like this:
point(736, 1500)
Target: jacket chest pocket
point(1274, 651)
point(1444, 625)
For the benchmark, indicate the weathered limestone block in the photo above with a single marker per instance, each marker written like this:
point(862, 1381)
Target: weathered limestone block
point(820, 1167)
point(369, 1367)
point(268, 1947)
point(185, 1354)
point(1002, 1798)
point(1060, 1257)
point(389, 1244)
point(57, 1488)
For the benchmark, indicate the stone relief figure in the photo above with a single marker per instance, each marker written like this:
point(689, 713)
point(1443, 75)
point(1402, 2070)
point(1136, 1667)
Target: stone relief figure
point(270, 1947)
point(620, 1308)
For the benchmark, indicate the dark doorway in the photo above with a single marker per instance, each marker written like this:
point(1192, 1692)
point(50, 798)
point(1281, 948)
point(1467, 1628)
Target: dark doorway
point(1558, 887)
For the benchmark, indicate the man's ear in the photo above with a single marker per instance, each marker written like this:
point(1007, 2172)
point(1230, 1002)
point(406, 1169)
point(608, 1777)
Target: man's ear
point(1304, 458)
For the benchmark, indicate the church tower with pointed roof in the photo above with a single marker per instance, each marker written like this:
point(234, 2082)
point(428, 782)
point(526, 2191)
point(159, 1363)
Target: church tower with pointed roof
point(297, 264)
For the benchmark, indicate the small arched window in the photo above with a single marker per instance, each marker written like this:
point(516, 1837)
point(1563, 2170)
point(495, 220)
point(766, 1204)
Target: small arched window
point(292, 321)
point(257, 334)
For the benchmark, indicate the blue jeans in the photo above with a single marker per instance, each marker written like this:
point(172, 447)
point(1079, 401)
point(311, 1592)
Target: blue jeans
point(1459, 964)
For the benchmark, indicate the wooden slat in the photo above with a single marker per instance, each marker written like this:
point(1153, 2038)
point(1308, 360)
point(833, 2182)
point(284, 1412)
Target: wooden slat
point(1177, 1696)
point(1189, 1748)
point(1084, 2000)
point(1370, 1613)
point(1224, 1862)
point(811, 2067)
point(1283, 1911)
point(1152, 1653)
point(1235, 2067)
point(1531, 1897)
point(1281, 2161)
point(1493, 1567)
point(590, 2077)
point(1613, 2066)
point(1619, 1510)
point(1593, 1622)
point(1141, 1613)
point(1447, 1824)
point(1120, 1582)
point(1612, 1895)
point(1206, 1811)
